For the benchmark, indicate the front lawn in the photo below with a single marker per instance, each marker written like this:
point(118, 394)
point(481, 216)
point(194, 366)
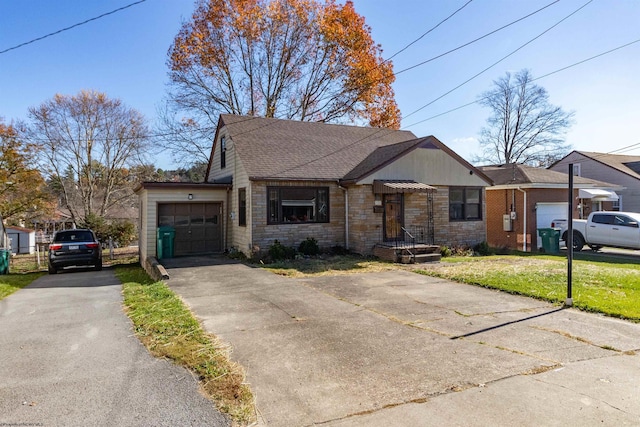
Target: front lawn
point(328, 265)
point(604, 287)
point(10, 283)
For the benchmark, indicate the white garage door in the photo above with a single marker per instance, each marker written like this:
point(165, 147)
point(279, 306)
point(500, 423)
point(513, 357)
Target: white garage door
point(547, 212)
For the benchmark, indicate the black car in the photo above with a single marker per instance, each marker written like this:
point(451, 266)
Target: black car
point(77, 247)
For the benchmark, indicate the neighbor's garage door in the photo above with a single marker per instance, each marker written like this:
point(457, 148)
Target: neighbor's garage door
point(547, 212)
point(198, 226)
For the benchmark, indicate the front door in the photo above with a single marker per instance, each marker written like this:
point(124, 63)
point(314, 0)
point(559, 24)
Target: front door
point(393, 217)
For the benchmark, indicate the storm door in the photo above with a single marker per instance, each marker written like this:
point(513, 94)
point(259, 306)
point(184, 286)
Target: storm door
point(393, 218)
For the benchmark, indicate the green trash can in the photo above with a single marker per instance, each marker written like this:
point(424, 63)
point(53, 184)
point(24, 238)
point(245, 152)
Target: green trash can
point(5, 256)
point(166, 236)
point(550, 240)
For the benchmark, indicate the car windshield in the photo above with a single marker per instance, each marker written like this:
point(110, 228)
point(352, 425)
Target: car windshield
point(74, 236)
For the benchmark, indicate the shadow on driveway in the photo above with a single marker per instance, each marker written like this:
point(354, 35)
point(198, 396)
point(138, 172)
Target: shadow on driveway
point(344, 349)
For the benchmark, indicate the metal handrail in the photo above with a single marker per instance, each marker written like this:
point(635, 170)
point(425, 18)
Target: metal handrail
point(412, 248)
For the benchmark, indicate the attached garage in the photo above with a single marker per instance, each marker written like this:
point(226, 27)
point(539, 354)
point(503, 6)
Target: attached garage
point(198, 226)
point(546, 213)
point(195, 211)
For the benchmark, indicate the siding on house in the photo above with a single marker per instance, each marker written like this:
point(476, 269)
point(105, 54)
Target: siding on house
point(435, 167)
point(152, 197)
point(589, 168)
point(430, 166)
point(231, 159)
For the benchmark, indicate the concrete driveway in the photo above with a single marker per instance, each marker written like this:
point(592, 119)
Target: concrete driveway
point(398, 348)
point(68, 357)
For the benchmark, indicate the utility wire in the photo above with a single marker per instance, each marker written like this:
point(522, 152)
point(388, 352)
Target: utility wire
point(533, 80)
point(500, 60)
point(475, 40)
point(430, 30)
point(386, 76)
point(71, 27)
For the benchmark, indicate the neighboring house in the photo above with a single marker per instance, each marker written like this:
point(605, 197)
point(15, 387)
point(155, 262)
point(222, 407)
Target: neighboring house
point(619, 169)
point(46, 228)
point(23, 240)
point(525, 198)
point(353, 187)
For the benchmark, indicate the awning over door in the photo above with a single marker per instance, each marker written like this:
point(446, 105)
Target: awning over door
point(400, 186)
point(597, 195)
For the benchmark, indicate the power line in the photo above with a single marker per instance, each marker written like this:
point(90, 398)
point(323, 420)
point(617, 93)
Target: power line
point(72, 26)
point(533, 80)
point(392, 74)
point(430, 30)
point(500, 60)
point(475, 40)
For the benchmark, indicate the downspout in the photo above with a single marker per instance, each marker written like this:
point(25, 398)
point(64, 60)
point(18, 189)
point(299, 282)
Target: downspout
point(524, 220)
point(346, 215)
point(227, 216)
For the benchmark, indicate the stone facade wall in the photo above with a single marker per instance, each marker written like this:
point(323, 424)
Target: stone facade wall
point(291, 234)
point(365, 225)
point(456, 233)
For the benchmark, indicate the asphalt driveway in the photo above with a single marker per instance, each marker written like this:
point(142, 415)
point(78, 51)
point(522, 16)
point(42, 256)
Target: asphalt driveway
point(398, 348)
point(68, 357)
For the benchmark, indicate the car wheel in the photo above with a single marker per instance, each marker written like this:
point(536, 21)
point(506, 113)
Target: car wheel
point(98, 267)
point(52, 269)
point(578, 242)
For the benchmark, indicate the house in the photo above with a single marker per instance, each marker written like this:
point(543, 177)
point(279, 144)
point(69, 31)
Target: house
point(46, 228)
point(23, 240)
point(354, 187)
point(619, 169)
point(525, 198)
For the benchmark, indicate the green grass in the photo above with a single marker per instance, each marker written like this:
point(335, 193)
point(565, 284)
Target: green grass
point(328, 265)
point(10, 283)
point(609, 288)
point(169, 329)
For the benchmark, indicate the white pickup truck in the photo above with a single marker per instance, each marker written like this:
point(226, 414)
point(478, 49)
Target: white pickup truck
point(616, 229)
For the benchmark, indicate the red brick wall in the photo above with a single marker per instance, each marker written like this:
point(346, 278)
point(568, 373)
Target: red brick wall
point(499, 202)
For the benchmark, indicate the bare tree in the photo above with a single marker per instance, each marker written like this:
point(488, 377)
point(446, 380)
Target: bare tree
point(524, 127)
point(293, 59)
point(88, 143)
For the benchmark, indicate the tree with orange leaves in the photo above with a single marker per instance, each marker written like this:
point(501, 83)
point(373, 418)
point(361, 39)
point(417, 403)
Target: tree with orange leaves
point(23, 190)
point(293, 59)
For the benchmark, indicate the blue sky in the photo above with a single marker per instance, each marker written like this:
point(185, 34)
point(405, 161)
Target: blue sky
point(124, 56)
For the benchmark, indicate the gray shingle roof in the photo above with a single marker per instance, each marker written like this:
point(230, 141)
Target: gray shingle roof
point(621, 162)
point(523, 174)
point(275, 148)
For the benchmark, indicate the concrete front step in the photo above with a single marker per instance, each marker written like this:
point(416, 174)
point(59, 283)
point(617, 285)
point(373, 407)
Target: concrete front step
point(423, 253)
point(419, 258)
